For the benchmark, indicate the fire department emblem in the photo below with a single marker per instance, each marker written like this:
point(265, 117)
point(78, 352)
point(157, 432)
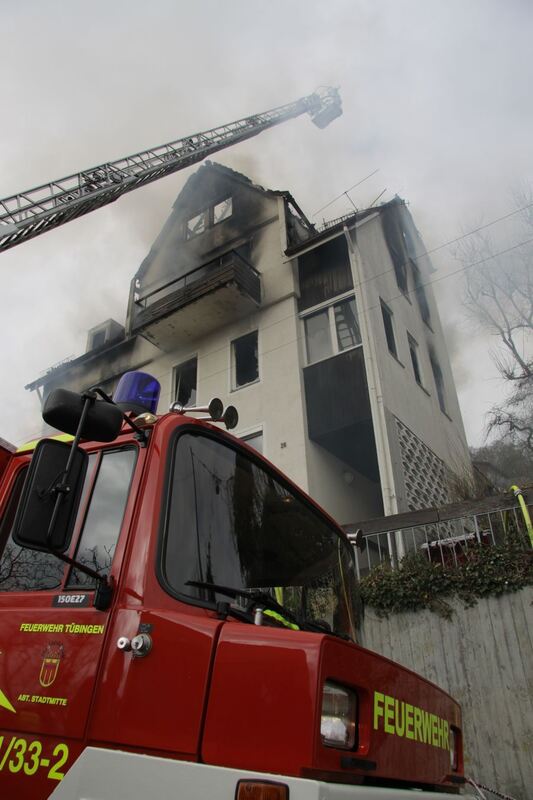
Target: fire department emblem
point(52, 656)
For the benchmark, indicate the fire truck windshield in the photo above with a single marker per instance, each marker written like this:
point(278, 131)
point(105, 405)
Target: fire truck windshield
point(232, 522)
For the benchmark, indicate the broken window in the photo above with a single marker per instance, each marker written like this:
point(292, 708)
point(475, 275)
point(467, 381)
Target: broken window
point(439, 380)
point(413, 350)
point(421, 294)
point(196, 225)
point(331, 330)
point(398, 242)
point(245, 363)
point(389, 329)
point(185, 376)
point(324, 273)
point(222, 210)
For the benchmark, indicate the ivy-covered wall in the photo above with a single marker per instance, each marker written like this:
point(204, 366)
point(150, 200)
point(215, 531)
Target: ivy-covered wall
point(480, 571)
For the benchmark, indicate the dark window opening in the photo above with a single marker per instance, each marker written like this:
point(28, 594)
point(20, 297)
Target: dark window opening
point(399, 241)
point(98, 339)
point(421, 294)
point(413, 350)
point(245, 360)
point(324, 273)
point(185, 378)
point(389, 329)
point(439, 381)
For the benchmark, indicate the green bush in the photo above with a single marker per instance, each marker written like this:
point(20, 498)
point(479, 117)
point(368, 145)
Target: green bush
point(482, 570)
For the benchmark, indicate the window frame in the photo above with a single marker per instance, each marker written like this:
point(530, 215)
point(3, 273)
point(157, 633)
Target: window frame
point(233, 365)
point(83, 511)
point(232, 444)
point(208, 214)
point(414, 353)
point(215, 222)
point(387, 313)
point(86, 498)
point(438, 380)
point(190, 234)
point(329, 306)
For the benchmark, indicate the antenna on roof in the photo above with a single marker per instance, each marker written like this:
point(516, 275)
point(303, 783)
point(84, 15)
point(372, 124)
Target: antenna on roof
point(346, 193)
point(377, 198)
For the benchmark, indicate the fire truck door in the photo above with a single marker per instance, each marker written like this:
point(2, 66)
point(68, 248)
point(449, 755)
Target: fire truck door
point(52, 636)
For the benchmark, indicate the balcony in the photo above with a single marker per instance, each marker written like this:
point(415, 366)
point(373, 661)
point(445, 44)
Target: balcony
point(338, 410)
point(204, 299)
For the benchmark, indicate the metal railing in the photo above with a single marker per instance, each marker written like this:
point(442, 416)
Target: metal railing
point(195, 275)
point(445, 541)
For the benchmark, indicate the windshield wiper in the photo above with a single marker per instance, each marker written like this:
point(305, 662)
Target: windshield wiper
point(263, 598)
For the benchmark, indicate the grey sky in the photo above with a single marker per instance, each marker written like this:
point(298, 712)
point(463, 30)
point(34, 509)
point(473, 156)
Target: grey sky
point(436, 95)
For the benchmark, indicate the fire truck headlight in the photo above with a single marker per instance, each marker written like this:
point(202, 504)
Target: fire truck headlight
point(339, 714)
point(454, 759)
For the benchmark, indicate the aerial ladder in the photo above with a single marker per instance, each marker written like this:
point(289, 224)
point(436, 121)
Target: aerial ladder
point(30, 213)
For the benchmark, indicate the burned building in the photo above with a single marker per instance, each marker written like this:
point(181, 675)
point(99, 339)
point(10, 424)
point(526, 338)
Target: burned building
point(327, 340)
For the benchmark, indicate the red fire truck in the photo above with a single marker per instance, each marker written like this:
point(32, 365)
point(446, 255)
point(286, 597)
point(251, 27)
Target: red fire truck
point(179, 620)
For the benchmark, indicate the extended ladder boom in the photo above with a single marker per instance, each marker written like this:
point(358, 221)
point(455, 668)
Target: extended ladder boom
point(37, 210)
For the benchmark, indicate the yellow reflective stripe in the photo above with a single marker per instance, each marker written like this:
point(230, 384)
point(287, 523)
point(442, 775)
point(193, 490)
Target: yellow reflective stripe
point(60, 437)
point(274, 614)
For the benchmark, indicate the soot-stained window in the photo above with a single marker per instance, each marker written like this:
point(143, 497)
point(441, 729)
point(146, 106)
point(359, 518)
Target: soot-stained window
point(421, 296)
point(196, 225)
point(413, 350)
point(185, 379)
point(222, 211)
point(389, 328)
point(245, 362)
point(209, 218)
point(439, 380)
point(324, 273)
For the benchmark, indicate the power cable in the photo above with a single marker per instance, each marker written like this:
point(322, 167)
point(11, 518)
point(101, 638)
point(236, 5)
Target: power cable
point(299, 338)
point(343, 193)
point(385, 272)
point(448, 244)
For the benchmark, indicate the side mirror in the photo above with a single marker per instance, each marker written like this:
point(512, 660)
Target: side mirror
point(45, 480)
point(63, 410)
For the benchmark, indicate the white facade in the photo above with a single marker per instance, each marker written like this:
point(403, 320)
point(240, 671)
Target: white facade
point(232, 260)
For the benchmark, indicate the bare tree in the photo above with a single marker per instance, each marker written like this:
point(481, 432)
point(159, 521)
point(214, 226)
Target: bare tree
point(498, 295)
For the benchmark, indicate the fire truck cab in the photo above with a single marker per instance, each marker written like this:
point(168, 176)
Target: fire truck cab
point(179, 620)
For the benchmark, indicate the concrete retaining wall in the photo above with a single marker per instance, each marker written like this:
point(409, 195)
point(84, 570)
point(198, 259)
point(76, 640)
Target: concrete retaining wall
point(483, 657)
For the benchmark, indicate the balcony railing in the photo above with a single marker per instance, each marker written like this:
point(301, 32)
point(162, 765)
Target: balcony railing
point(210, 271)
point(444, 535)
point(206, 297)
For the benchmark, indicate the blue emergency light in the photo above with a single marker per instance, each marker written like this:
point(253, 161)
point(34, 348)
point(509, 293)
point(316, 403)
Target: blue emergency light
point(137, 392)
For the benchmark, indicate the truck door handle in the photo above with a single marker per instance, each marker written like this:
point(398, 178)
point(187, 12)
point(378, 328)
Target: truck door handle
point(139, 646)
